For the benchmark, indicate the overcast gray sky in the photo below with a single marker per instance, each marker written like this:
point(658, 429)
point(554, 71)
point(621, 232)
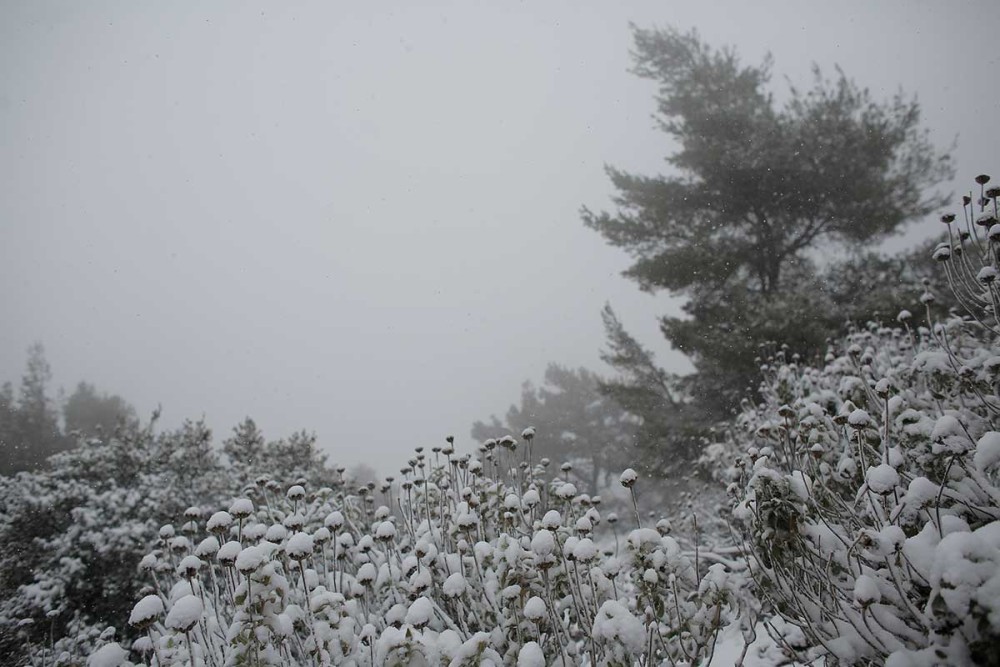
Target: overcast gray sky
point(362, 218)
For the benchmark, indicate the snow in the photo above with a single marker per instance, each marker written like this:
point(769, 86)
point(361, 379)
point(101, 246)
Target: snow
point(109, 655)
point(566, 491)
point(229, 551)
point(948, 432)
point(534, 609)
point(551, 520)
point(184, 614)
point(882, 479)
point(859, 419)
point(300, 546)
point(207, 548)
point(628, 477)
point(585, 550)
point(241, 508)
point(454, 585)
point(531, 655)
point(420, 613)
point(641, 537)
point(866, 591)
point(189, 566)
point(146, 610)
point(614, 623)
point(219, 521)
point(366, 574)
point(276, 533)
point(251, 559)
point(334, 520)
point(385, 531)
point(946, 426)
point(543, 543)
point(987, 451)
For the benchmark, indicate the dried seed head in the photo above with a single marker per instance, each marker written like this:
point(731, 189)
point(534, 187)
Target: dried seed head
point(942, 253)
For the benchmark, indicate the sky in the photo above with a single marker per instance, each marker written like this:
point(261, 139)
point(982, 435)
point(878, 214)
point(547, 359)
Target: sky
point(362, 219)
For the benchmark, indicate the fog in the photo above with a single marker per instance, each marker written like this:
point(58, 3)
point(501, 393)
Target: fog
point(363, 219)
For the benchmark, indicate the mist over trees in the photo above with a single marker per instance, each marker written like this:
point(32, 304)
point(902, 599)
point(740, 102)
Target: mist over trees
point(842, 446)
point(34, 425)
point(768, 226)
point(583, 427)
point(29, 421)
point(762, 192)
point(90, 413)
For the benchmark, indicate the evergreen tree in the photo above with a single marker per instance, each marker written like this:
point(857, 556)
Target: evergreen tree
point(245, 451)
point(90, 414)
point(575, 423)
point(758, 184)
point(757, 188)
point(29, 427)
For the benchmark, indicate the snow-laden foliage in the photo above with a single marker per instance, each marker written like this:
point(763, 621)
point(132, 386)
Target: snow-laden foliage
point(72, 536)
point(469, 561)
point(869, 496)
point(864, 515)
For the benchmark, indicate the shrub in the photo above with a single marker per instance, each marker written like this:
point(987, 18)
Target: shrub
point(484, 562)
point(868, 499)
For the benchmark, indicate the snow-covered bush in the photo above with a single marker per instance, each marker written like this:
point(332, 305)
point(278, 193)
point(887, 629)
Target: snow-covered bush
point(869, 497)
point(72, 536)
point(461, 561)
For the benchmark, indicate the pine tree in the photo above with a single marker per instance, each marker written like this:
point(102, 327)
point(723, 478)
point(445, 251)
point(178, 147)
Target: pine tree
point(756, 186)
point(575, 423)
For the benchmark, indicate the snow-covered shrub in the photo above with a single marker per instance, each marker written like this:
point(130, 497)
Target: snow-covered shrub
point(869, 496)
point(469, 561)
point(71, 537)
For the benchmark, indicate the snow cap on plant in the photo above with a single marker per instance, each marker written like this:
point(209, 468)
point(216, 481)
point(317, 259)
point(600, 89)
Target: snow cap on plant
point(147, 563)
point(942, 252)
point(385, 532)
point(334, 520)
point(241, 508)
point(859, 419)
point(250, 559)
point(219, 522)
point(189, 566)
point(866, 591)
point(534, 609)
point(987, 275)
point(184, 614)
point(300, 546)
point(228, 553)
point(207, 548)
point(145, 612)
